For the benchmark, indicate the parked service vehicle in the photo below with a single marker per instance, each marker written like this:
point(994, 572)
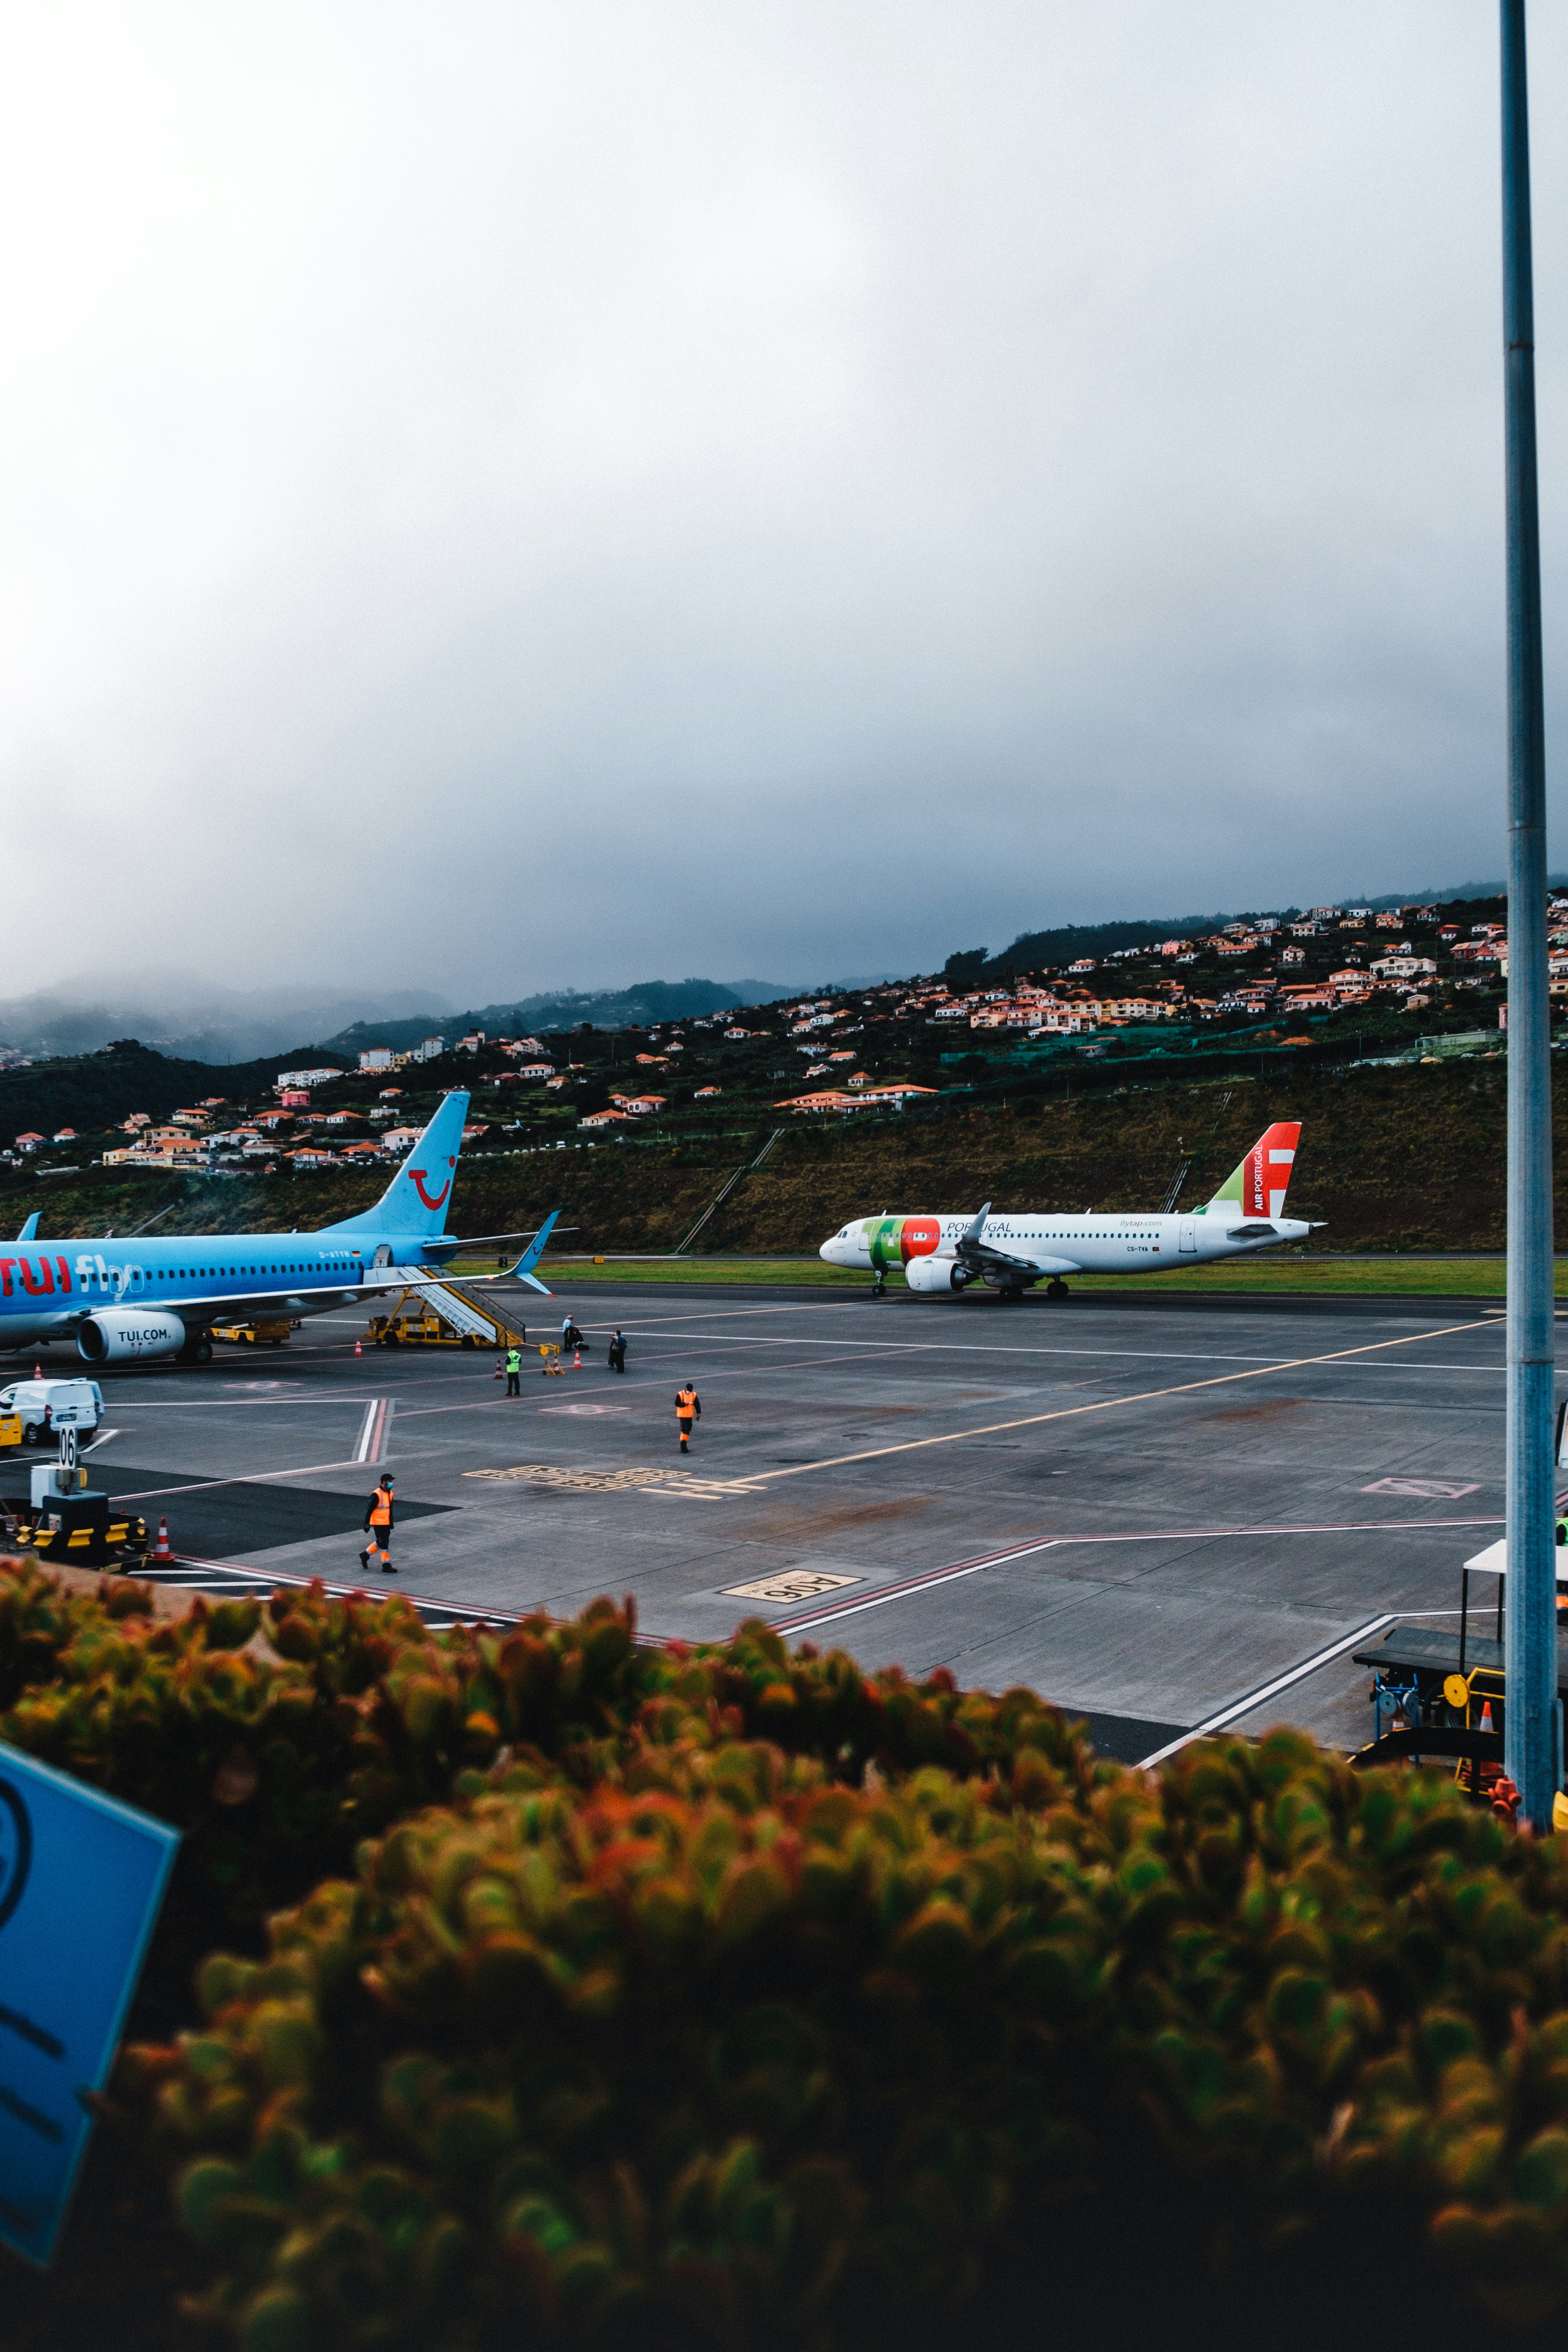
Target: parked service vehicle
point(45, 1406)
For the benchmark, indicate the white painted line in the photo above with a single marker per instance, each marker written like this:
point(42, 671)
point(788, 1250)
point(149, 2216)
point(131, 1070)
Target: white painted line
point(101, 1439)
point(246, 1479)
point(912, 1584)
point(1260, 1697)
point(373, 1434)
point(1103, 1404)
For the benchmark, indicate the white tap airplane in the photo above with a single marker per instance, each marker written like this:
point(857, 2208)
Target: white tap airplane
point(1011, 1254)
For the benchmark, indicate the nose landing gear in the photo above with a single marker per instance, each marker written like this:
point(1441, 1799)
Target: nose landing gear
point(1055, 1288)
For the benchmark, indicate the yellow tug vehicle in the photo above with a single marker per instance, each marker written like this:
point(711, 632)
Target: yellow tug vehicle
point(1438, 1697)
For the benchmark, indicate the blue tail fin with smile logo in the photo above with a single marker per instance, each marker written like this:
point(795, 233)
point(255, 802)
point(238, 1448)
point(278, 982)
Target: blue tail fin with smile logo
point(419, 1195)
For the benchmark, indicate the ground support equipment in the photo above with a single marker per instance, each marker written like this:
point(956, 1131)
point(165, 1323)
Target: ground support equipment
point(429, 1313)
point(82, 1529)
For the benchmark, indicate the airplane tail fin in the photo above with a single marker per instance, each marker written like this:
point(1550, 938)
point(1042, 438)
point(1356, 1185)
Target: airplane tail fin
point(1258, 1186)
point(30, 1230)
point(417, 1199)
point(531, 1256)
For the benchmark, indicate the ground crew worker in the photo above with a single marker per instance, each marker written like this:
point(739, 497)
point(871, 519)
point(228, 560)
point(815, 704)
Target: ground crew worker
point(514, 1372)
point(617, 1351)
point(688, 1408)
point(378, 1527)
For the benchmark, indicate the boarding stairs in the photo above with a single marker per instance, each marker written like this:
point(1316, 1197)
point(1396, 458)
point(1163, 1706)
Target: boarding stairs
point(485, 1324)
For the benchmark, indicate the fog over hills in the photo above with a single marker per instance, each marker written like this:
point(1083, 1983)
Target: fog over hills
point(195, 1019)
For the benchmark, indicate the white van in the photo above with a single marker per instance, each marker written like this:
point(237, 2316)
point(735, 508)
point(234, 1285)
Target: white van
point(44, 1406)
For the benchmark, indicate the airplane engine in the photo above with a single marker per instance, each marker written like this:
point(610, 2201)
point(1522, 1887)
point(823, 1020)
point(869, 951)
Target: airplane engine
point(129, 1334)
point(933, 1276)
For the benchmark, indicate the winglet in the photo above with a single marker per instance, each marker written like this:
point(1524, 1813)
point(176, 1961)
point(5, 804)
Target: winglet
point(523, 1270)
point(974, 1231)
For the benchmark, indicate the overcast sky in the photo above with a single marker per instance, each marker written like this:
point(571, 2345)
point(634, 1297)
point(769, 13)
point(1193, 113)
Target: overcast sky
point(531, 494)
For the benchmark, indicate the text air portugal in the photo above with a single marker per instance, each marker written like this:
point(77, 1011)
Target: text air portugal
point(1266, 1170)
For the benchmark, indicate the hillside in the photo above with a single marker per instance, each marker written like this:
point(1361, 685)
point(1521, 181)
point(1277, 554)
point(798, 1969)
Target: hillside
point(92, 1091)
point(1392, 1159)
point(650, 1003)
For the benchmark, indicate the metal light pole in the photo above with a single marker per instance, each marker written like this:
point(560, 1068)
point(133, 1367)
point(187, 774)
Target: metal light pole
point(1533, 1740)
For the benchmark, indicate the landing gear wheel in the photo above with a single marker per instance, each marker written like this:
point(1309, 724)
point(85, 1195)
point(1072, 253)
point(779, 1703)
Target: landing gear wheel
point(468, 1339)
point(1055, 1288)
point(203, 1351)
point(878, 1288)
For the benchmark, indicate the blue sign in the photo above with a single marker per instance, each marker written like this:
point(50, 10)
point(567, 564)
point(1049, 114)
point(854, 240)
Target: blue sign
point(81, 1878)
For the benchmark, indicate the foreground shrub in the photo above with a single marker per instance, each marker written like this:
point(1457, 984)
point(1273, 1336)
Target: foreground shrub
point(277, 1736)
point(727, 2053)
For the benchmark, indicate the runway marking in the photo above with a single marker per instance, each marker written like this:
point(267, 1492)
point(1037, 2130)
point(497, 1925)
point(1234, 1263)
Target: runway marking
point(246, 1403)
point(226, 1575)
point(1104, 1404)
point(241, 1478)
point(1424, 1490)
point(1138, 1355)
point(586, 1482)
point(909, 1584)
point(791, 1584)
point(585, 1410)
point(1260, 1697)
point(703, 1490)
point(101, 1439)
point(372, 1446)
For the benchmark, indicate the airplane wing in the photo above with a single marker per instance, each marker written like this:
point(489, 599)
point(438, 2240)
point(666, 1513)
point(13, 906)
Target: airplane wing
point(975, 1250)
point(981, 1254)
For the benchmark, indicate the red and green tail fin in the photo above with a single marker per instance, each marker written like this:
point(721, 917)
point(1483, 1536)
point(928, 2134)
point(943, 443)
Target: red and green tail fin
point(1258, 1185)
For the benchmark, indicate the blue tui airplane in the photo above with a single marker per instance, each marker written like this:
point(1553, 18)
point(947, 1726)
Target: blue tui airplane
point(133, 1300)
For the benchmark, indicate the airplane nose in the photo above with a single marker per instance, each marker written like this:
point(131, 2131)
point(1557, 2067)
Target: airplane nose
point(826, 1252)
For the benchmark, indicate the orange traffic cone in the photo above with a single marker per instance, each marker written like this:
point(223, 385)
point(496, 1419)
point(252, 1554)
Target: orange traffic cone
point(1485, 1722)
point(577, 1360)
point(37, 1371)
point(359, 1347)
point(162, 1548)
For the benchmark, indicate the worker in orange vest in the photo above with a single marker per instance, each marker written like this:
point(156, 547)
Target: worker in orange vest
point(378, 1527)
point(688, 1408)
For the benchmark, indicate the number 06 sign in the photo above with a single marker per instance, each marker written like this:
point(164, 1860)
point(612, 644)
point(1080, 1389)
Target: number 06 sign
point(81, 1878)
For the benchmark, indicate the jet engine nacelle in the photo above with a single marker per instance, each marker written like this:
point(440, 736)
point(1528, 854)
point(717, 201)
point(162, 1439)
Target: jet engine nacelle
point(935, 1275)
point(129, 1334)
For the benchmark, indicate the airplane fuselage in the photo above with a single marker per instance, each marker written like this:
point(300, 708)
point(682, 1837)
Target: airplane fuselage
point(1053, 1246)
point(148, 1295)
point(48, 1289)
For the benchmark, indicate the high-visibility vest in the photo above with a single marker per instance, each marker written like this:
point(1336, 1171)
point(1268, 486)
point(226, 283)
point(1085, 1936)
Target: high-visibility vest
point(513, 1360)
point(686, 1403)
point(381, 1508)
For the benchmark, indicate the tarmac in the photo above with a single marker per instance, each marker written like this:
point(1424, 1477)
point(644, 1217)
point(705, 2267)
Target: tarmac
point(1164, 1514)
